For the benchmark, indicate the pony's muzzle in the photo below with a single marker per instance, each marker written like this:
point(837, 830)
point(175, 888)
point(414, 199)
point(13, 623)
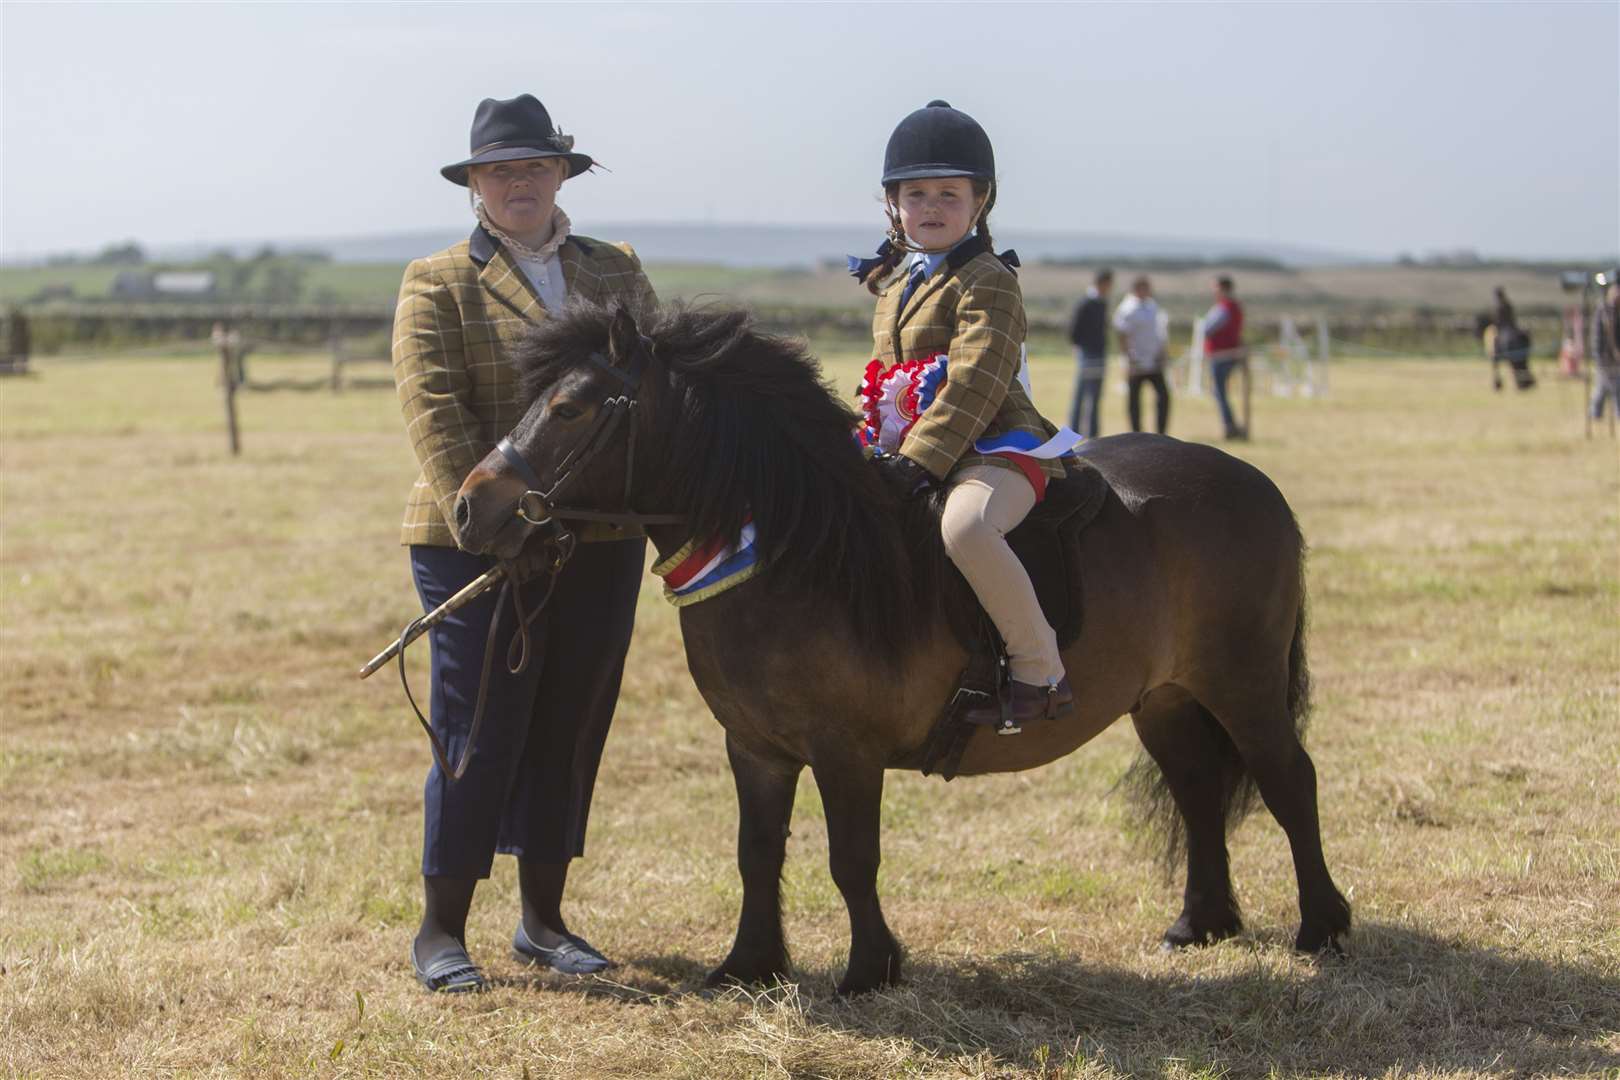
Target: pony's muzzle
point(485, 512)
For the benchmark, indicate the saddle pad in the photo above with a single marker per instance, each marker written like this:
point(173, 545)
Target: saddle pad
point(1048, 543)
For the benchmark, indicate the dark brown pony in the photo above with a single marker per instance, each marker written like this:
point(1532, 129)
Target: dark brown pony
point(841, 654)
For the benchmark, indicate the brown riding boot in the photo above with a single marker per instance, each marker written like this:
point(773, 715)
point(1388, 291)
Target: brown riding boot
point(1026, 703)
point(1039, 703)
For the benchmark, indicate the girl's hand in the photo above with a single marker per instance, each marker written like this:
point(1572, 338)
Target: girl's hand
point(905, 477)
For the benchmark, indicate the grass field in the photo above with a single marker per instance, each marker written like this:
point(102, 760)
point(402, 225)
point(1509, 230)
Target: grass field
point(209, 829)
point(1050, 290)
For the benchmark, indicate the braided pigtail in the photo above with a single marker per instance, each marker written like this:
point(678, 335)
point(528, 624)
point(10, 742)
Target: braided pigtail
point(879, 275)
point(986, 190)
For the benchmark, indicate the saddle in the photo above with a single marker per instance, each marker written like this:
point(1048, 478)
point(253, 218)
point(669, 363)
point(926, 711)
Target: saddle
point(1047, 542)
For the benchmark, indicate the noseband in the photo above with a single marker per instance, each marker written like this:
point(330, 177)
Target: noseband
point(538, 505)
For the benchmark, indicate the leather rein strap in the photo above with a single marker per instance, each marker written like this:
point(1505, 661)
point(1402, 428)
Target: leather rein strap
point(518, 652)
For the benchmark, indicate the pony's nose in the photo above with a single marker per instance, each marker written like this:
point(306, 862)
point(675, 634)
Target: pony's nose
point(463, 513)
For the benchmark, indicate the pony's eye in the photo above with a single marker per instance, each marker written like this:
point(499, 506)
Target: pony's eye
point(564, 410)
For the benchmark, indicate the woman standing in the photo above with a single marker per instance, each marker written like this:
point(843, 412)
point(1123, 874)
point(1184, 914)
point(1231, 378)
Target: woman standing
point(527, 786)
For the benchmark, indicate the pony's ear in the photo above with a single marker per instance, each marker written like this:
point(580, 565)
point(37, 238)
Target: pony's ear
point(624, 339)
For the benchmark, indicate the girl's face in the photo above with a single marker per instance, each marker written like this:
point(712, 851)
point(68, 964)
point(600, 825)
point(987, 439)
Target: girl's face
point(937, 213)
point(519, 195)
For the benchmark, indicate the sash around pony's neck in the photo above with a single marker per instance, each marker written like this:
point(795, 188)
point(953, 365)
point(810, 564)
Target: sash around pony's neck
point(701, 571)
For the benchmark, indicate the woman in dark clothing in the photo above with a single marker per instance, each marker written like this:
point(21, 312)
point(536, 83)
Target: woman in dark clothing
point(528, 781)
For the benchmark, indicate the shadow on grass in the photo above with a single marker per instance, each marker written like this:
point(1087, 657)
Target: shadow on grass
point(645, 980)
point(1402, 999)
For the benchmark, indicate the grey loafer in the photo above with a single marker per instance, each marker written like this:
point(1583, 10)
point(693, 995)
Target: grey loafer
point(575, 956)
point(450, 972)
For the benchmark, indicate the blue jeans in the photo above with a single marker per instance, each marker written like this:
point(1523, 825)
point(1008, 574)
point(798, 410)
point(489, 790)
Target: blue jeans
point(527, 788)
point(1605, 386)
point(1088, 390)
point(1222, 371)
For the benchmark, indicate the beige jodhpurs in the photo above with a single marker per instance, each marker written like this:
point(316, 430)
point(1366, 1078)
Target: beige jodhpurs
point(984, 504)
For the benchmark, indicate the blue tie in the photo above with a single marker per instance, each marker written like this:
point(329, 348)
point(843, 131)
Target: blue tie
point(919, 271)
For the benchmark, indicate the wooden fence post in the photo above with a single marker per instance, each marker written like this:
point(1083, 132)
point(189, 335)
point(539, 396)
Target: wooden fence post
point(229, 377)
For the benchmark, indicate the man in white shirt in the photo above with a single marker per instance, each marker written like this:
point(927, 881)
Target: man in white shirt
point(1143, 339)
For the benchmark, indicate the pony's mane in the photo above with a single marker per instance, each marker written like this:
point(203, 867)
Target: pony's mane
point(748, 428)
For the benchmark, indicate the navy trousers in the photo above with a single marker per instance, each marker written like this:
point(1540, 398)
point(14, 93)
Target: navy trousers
point(1222, 371)
point(527, 788)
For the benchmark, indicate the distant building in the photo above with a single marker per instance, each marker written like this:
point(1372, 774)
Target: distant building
point(55, 291)
point(164, 285)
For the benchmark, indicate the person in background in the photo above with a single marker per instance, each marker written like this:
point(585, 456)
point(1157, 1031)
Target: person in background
point(1505, 319)
point(1606, 357)
point(1088, 331)
point(1223, 345)
point(1512, 344)
point(1143, 340)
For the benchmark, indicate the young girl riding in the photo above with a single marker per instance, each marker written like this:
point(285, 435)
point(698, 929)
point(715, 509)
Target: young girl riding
point(947, 398)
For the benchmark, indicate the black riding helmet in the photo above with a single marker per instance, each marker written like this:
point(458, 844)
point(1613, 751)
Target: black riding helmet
point(937, 141)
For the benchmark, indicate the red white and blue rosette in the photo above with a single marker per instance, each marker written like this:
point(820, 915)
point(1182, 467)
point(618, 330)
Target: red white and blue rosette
point(893, 397)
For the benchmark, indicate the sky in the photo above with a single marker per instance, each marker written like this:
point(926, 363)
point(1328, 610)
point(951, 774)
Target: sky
point(1367, 128)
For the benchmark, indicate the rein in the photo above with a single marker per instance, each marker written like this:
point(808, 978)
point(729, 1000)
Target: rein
point(563, 549)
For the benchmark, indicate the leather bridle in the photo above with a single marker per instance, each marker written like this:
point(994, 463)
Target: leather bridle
point(538, 506)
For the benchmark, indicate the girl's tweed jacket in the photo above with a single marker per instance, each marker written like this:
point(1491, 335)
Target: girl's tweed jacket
point(459, 313)
point(971, 310)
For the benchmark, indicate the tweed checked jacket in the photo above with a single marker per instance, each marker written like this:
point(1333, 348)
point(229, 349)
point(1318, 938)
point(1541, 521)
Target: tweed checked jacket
point(972, 310)
point(459, 312)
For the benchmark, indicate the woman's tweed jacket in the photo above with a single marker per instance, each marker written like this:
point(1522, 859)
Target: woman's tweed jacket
point(971, 310)
point(459, 312)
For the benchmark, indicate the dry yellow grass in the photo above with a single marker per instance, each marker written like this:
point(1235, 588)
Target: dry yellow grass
point(208, 828)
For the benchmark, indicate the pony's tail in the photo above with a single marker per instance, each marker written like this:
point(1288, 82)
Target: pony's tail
point(1144, 782)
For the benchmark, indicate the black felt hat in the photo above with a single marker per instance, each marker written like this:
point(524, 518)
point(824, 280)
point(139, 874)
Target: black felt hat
point(937, 141)
point(513, 130)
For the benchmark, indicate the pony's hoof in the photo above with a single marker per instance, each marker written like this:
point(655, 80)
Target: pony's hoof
point(1320, 946)
point(739, 973)
point(850, 986)
point(1183, 934)
point(865, 978)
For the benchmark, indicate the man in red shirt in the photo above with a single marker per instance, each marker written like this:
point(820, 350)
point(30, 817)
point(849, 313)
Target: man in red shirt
point(1223, 344)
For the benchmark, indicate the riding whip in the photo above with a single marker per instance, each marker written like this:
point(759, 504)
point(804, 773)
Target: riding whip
point(477, 587)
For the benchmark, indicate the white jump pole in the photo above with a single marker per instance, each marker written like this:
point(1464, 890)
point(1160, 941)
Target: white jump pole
point(1320, 387)
point(1195, 360)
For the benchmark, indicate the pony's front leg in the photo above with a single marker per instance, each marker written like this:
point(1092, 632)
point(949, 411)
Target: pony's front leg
point(765, 787)
point(852, 796)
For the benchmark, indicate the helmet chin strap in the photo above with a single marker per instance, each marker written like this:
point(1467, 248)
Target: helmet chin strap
point(897, 232)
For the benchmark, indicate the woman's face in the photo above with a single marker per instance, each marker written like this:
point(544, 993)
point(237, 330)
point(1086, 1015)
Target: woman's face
point(937, 213)
point(519, 195)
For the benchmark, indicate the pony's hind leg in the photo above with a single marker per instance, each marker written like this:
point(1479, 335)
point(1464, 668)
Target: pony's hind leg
point(1287, 780)
point(852, 796)
point(1199, 766)
point(1265, 735)
point(765, 788)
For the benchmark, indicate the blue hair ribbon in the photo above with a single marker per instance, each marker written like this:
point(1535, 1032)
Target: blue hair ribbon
point(859, 268)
